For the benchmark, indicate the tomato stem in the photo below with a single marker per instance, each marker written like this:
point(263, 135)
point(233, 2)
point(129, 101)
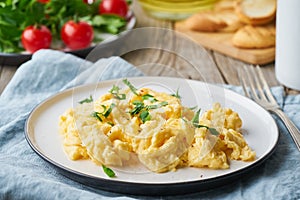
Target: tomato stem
point(76, 18)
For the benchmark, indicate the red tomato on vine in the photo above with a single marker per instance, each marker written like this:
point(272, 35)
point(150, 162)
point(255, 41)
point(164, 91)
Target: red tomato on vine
point(36, 37)
point(77, 35)
point(115, 7)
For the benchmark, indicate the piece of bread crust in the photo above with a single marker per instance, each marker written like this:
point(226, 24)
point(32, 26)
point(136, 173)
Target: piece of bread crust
point(224, 5)
point(256, 12)
point(213, 21)
point(252, 37)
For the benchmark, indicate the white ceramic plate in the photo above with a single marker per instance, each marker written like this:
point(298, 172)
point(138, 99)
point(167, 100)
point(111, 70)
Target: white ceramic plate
point(260, 132)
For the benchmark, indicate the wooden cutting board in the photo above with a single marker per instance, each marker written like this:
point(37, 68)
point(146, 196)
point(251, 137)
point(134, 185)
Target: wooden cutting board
point(221, 42)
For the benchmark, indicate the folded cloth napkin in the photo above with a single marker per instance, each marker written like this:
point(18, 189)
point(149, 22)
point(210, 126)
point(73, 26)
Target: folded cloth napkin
point(24, 175)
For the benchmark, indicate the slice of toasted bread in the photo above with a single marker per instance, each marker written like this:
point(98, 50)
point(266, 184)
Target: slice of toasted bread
point(213, 21)
point(253, 37)
point(256, 12)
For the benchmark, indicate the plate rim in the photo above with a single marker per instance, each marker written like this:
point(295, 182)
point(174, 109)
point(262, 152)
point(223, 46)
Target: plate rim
point(152, 188)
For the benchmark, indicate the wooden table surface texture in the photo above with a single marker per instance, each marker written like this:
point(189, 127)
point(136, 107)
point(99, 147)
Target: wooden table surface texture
point(217, 68)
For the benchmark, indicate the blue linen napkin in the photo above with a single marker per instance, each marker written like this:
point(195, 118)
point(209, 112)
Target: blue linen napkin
point(24, 175)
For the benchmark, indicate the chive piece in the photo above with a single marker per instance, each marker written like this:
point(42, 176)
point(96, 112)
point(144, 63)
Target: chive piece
point(176, 94)
point(143, 110)
point(137, 102)
point(131, 87)
point(108, 111)
point(161, 104)
point(115, 90)
point(109, 172)
point(149, 97)
point(213, 131)
point(201, 126)
point(97, 115)
point(104, 108)
point(121, 96)
point(195, 122)
point(110, 123)
point(105, 113)
point(193, 108)
point(138, 107)
point(145, 116)
point(195, 119)
point(184, 119)
point(87, 100)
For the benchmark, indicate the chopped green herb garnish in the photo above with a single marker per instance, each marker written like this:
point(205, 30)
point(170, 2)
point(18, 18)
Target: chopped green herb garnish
point(138, 107)
point(110, 123)
point(176, 94)
point(193, 108)
point(213, 131)
point(143, 110)
point(115, 90)
point(105, 113)
point(104, 108)
point(137, 102)
point(145, 116)
point(155, 106)
point(87, 100)
point(195, 119)
point(108, 111)
point(109, 172)
point(131, 87)
point(195, 122)
point(149, 97)
point(184, 119)
point(97, 115)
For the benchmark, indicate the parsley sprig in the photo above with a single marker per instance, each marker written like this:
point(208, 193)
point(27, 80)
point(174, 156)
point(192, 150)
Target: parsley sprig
point(143, 110)
point(108, 171)
point(140, 108)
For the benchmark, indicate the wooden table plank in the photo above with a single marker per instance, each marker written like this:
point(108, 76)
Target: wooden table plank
point(180, 58)
point(229, 68)
point(172, 55)
point(6, 73)
point(176, 55)
point(196, 62)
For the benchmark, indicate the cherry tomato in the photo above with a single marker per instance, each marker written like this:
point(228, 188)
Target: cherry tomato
point(34, 38)
point(77, 35)
point(43, 1)
point(116, 7)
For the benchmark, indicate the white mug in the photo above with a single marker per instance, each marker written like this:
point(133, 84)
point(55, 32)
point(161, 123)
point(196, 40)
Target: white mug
point(287, 63)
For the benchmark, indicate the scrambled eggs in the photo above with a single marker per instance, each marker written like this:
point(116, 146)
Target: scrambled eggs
point(155, 127)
